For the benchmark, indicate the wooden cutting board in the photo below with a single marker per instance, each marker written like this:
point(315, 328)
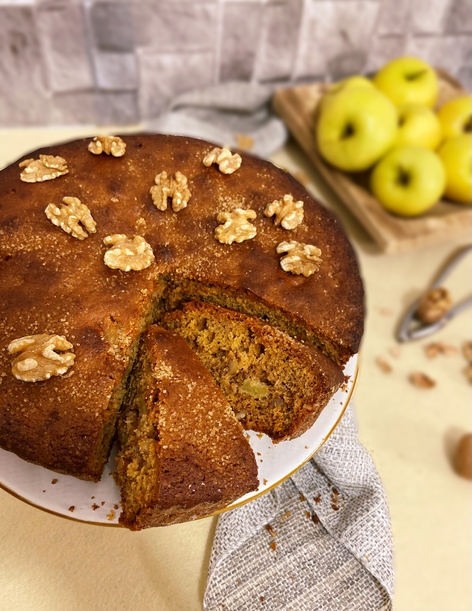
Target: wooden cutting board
point(297, 107)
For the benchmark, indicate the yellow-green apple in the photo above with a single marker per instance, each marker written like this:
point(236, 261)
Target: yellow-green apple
point(408, 80)
point(418, 126)
point(408, 180)
point(348, 83)
point(455, 116)
point(456, 155)
point(356, 128)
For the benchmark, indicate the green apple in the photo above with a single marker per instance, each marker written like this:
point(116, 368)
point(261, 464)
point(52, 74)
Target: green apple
point(356, 128)
point(456, 155)
point(418, 126)
point(408, 80)
point(455, 116)
point(408, 180)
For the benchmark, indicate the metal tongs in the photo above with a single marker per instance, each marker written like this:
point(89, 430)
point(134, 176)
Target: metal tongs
point(411, 328)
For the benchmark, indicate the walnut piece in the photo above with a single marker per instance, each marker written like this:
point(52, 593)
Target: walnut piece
point(69, 216)
point(467, 351)
point(227, 162)
point(463, 456)
point(421, 380)
point(434, 305)
point(288, 213)
point(127, 254)
point(40, 358)
point(111, 145)
point(383, 364)
point(236, 226)
point(47, 167)
point(302, 259)
point(432, 349)
point(174, 187)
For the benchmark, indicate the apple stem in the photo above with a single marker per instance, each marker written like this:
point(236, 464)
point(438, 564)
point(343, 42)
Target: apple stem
point(468, 125)
point(403, 177)
point(347, 132)
point(415, 75)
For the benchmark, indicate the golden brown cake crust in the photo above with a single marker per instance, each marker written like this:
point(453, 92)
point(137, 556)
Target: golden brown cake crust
point(203, 459)
point(51, 282)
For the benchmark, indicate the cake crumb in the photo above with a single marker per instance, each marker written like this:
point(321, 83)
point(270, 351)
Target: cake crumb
point(315, 518)
point(54, 481)
point(111, 515)
point(273, 545)
point(302, 498)
point(71, 508)
point(317, 499)
point(270, 529)
point(95, 506)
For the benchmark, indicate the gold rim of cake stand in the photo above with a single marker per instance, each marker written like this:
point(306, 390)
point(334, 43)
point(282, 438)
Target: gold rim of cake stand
point(225, 509)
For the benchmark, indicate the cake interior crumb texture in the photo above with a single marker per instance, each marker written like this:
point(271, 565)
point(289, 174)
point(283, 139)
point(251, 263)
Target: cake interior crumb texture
point(276, 385)
point(182, 453)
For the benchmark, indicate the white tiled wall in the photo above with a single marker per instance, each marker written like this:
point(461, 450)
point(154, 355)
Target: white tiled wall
point(121, 61)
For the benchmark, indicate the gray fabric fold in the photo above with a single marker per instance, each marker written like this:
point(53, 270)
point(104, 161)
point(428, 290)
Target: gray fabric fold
point(222, 114)
point(321, 541)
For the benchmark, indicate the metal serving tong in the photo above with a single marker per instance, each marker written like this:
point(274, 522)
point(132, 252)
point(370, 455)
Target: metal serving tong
point(411, 328)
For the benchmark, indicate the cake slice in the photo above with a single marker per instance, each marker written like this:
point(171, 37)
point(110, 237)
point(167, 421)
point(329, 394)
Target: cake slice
point(275, 384)
point(182, 453)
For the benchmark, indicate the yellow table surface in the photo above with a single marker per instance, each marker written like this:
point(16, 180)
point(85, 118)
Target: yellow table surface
point(48, 563)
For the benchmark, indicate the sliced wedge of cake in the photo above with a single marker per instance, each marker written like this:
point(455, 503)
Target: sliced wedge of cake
point(182, 453)
point(275, 384)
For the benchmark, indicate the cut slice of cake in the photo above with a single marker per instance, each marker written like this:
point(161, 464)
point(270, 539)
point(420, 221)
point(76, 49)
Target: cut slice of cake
point(182, 453)
point(275, 384)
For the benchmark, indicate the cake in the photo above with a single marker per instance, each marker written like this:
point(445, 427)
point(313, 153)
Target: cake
point(71, 318)
point(276, 385)
point(182, 452)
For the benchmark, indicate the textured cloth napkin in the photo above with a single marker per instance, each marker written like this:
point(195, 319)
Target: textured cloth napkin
point(321, 541)
point(226, 114)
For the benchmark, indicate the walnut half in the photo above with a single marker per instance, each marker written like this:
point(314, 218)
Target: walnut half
point(288, 213)
point(111, 145)
point(47, 167)
point(41, 356)
point(236, 226)
point(174, 187)
point(302, 259)
point(227, 162)
point(434, 305)
point(127, 254)
point(69, 216)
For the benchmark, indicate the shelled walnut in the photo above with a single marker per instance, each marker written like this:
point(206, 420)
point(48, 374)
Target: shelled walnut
point(288, 214)
point(301, 259)
point(127, 254)
point(69, 217)
point(434, 305)
point(111, 145)
point(227, 162)
point(173, 187)
point(236, 226)
point(47, 167)
point(41, 356)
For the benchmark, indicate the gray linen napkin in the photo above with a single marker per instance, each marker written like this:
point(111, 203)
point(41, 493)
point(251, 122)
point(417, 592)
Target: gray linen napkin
point(223, 114)
point(321, 541)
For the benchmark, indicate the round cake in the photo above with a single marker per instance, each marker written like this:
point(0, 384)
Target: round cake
point(101, 238)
